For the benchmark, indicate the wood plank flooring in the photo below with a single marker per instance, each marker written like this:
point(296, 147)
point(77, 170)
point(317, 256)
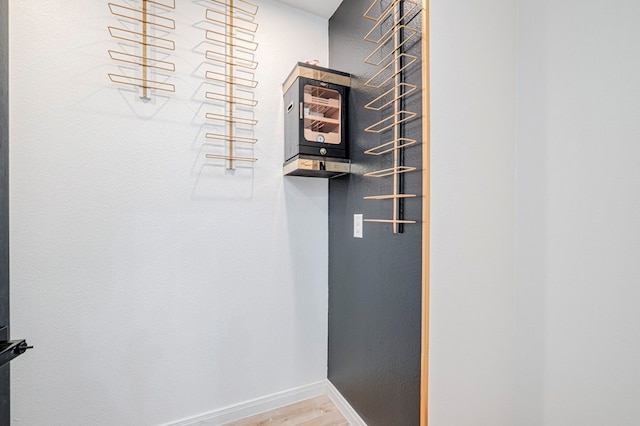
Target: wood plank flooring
point(319, 411)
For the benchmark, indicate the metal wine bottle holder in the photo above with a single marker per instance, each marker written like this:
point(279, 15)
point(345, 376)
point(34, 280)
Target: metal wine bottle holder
point(144, 69)
point(232, 54)
point(390, 34)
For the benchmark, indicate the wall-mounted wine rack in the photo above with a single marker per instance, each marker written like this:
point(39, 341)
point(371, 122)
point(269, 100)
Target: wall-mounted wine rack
point(232, 77)
point(143, 39)
point(391, 34)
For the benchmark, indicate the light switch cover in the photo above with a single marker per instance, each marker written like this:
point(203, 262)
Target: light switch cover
point(357, 225)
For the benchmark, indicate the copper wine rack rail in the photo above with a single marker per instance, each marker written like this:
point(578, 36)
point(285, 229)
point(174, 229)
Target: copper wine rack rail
point(232, 54)
point(147, 78)
point(390, 34)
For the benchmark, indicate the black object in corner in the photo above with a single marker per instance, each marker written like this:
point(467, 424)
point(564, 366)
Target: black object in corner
point(10, 349)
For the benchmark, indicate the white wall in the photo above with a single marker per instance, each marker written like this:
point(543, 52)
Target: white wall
point(153, 284)
point(578, 213)
point(473, 98)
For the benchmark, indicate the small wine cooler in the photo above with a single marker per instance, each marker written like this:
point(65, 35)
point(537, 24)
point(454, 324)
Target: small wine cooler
point(315, 117)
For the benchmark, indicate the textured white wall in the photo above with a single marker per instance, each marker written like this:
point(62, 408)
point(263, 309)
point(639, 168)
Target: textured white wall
point(578, 213)
point(153, 285)
point(472, 247)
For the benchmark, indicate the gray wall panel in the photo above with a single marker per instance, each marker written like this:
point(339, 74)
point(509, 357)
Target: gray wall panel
point(374, 282)
point(4, 200)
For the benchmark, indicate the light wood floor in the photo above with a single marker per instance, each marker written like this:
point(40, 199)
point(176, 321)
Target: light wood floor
point(318, 411)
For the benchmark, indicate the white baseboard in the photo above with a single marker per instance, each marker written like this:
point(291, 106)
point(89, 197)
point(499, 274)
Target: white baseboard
point(345, 408)
point(271, 402)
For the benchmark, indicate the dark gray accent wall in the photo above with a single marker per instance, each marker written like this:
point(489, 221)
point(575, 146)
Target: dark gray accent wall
point(4, 200)
point(374, 282)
